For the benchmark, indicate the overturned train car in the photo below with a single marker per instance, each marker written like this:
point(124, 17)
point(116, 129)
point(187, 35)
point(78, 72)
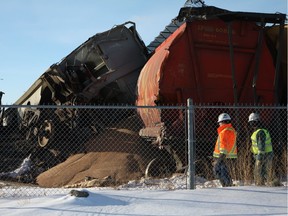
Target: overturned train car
point(215, 57)
point(108, 61)
point(102, 70)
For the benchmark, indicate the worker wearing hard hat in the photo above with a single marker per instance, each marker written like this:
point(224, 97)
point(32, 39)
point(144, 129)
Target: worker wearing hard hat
point(225, 147)
point(262, 151)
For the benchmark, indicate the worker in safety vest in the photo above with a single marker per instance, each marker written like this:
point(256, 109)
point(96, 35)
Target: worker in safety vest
point(262, 151)
point(225, 148)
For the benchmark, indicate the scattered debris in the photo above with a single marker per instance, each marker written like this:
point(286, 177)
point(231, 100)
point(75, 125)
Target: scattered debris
point(92, 182)
point(24, 168)
point(78, 193)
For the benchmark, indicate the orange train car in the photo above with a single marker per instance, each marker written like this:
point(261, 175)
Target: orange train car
point(215, 57)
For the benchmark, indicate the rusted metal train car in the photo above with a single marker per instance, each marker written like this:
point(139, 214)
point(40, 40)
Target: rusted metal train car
point(215, 57)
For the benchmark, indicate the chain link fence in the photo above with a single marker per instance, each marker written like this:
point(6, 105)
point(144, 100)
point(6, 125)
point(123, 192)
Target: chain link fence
point(57, 147)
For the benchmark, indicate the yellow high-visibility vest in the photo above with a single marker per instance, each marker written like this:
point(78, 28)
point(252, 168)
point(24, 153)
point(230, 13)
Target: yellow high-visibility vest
point(268, 143)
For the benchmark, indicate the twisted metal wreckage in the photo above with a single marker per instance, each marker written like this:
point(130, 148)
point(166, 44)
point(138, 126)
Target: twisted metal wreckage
point(244, 54)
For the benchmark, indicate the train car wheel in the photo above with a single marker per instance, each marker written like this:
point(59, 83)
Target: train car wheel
point(45, 133)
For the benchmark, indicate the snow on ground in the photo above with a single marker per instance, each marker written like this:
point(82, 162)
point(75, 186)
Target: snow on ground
point(147, 197)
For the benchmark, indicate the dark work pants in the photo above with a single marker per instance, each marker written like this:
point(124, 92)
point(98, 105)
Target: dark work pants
point(221, 172)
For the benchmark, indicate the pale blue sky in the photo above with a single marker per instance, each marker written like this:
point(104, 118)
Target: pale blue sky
point(37, 33)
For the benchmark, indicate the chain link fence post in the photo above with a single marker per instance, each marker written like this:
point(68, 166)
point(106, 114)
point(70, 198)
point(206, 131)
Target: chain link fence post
point(191, 146)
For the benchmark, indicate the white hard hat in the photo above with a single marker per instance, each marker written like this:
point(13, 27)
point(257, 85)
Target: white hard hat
point(223, 117)
point(253, 117)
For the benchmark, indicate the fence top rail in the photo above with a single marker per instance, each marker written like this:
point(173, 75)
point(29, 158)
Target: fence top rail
point(92, 106)
point(140, 107)
point(241, 106)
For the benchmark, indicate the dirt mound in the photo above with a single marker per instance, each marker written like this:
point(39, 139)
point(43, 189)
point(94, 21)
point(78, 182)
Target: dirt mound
point(120, 166)
point(117, 152)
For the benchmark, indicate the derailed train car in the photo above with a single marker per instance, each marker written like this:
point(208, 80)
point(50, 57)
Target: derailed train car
point(88, 72)
point(215, 57)
point(104, 69)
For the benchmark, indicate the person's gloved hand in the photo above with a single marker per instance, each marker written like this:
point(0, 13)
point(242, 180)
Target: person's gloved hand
point(259, 157)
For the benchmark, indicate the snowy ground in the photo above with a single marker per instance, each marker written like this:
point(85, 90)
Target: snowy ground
point(147, 197)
